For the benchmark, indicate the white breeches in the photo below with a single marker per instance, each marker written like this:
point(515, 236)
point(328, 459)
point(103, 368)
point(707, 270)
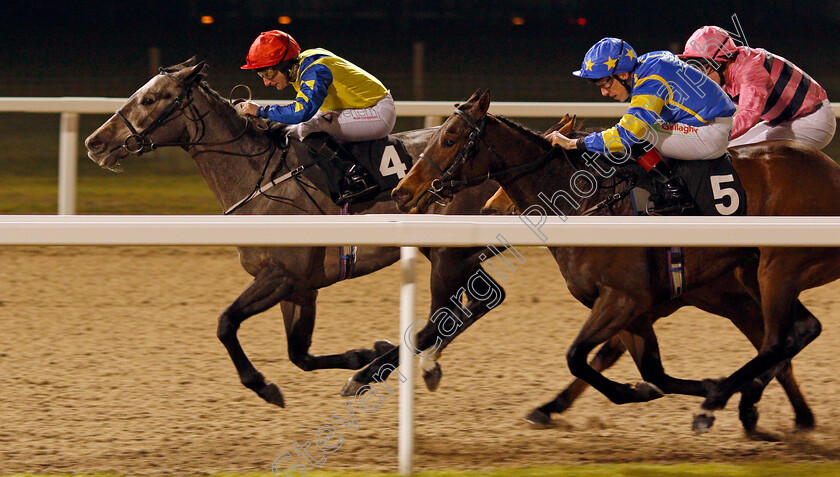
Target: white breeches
point(352, 124)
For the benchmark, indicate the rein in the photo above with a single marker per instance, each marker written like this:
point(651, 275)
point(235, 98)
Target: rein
point(142, 142)
point(444, 184)
point(138, 143)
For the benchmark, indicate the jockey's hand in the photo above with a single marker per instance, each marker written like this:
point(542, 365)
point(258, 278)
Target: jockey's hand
point(558, 139)
point(247, 108)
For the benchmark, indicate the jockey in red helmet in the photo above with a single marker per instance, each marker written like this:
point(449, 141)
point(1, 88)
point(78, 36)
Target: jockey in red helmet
point(776, 100)
point(335, 100)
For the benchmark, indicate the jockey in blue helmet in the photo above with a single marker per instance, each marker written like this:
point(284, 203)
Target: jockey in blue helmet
point(674, 109)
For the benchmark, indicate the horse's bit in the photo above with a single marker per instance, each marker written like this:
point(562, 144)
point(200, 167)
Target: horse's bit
point(438, 186)
point(140, 143)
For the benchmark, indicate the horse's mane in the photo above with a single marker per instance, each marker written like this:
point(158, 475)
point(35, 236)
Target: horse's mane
point(538, 137)
point(276, 131)
point(573, 156)
point(529, 133)
point(202, 84)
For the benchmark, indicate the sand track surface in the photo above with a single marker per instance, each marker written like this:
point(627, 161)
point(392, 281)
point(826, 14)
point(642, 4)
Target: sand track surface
point(110, 362)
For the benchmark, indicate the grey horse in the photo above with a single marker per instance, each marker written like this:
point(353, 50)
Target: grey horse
point(177, 108)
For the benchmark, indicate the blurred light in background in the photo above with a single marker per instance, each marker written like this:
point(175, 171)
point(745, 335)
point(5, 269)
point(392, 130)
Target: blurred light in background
point(207, 19)
point(517, 21)
point(284, 20)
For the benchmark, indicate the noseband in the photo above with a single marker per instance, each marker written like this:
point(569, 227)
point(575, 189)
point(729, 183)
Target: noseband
point(140, 143)
point(444, 183)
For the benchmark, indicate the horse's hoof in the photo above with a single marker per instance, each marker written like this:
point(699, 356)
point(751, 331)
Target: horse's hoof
point(351, 387)
point(383, 346)
point(647, 391)
point(805, 423)
point(703, 422)
point(272, 395)
point(749, 419)
point(538, 418)
point(432, 378)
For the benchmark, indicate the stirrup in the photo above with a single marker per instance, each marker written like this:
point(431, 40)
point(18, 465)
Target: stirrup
point(349, 195)
point(357, 187)
point(659, 205)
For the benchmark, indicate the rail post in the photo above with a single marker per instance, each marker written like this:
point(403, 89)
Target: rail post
point(68, 138)
point(408, 259)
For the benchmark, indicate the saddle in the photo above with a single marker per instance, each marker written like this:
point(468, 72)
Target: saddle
point(385, 159)
point(714, 185)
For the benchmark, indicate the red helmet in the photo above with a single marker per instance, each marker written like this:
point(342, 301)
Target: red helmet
point(710, 42)
point(270, 48)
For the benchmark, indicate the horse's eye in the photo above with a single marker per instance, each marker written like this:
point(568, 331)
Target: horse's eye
point(448, 142)
point(147, 101)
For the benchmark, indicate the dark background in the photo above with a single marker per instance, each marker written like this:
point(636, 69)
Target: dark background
point(101, 48)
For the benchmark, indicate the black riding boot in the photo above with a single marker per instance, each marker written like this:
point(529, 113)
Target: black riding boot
point(355, 183)
point(676, 198)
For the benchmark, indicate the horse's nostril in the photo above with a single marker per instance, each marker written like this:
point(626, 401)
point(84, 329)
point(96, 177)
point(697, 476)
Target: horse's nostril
point(489, 211)
point(399, 195)
point(95, 144)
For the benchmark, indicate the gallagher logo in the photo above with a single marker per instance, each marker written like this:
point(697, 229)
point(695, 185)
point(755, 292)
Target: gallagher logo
point(678, 127)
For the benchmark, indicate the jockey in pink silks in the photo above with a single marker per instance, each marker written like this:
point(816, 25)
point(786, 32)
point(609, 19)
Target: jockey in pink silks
point(776, 99)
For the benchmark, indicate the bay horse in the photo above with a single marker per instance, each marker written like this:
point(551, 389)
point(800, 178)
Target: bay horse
point(178, 108)
point(740, 308)
point(625, 287)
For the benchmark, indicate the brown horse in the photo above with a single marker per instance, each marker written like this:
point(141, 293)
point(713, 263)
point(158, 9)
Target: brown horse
point(740, 308)
point(177, 108)
point(626, 287)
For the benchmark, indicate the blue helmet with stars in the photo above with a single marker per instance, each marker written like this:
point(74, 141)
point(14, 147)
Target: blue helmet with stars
point(606, 58)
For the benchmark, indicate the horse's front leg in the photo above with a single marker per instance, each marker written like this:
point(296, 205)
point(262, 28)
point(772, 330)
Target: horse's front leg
point(299, 318)
point(456, 272)
point(788, 328)
point(271, 285)
point(612, 312)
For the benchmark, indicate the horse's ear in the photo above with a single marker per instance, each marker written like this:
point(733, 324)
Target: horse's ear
point(192, 74)
point(558, 126)
point(180, 66)
point(475, 96)
point(479, 109)
point(568, 126)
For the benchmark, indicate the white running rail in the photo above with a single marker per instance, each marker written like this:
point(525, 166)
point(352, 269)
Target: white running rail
point(412, 230)
point(433, 111)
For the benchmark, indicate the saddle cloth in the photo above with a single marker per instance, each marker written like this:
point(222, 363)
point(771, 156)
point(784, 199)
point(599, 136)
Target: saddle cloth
point(714, 185)
point(386, 159)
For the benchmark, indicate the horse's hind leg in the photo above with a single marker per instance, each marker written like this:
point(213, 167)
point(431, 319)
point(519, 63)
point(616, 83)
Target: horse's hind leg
point(270, 285)
point(299, 318)
point(606, 356)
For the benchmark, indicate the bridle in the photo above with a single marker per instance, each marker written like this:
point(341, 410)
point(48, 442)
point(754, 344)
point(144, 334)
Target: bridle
point(468, 150)
point(139, 143)
point(446, 186)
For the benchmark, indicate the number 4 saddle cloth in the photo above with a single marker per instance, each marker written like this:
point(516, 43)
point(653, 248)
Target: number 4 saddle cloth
point(713, 184)
point(386, 159)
